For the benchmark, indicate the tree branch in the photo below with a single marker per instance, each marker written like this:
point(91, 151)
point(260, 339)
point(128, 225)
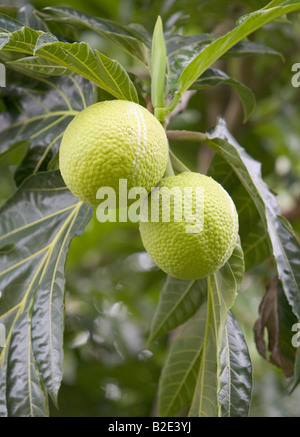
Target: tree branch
point(185, 135)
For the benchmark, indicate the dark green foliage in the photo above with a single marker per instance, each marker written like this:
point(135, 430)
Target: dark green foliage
point(97, 301)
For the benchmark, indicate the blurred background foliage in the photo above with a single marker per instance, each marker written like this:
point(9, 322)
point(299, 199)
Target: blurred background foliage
point(112, 286)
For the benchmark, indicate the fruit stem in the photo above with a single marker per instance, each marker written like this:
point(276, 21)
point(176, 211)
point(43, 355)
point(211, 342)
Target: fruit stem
point(161, 113)
point(169, 170)
point(177, 164)
point(185, 135)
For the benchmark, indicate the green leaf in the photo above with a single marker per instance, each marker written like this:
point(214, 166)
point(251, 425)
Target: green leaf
point(36, 225)
point(26, 396)
point(246, 25)
point(272, 4)
point(236, 372)
point(222, 290)
point(28, 15)
point(8, 24)
point(178, 301)
point(135, 42)
point(93, 65)
point(181, 52)
point(158, 66)
point(38, 67)
point(205, 397)
point(281, 237)
point(77, 57)
point(42, 115)
point(39, 221)
point(213, 76)
point(22, 40)
point(251, 229)
point(190, 374)
point(179, 374)
point(251, 48)
point(256, 246)
point(179, 46)
point(228, 279)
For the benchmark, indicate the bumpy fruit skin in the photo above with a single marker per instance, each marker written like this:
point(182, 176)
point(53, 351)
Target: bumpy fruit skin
point(108, 141)
point(192, 255)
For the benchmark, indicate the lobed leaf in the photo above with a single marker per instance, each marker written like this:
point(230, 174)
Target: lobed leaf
point(281, 238)
point(236, 372)
point(253, 236)
point(8, 24)
point(222, 290)
point(38, 223)
point(38, 66)
point(78, 58)
point(256, 246)
point(177, 45)
point(134, 41)
point(245, 26)
point(41, 117)
point(183, 50)
point(36, 226)
point(22, 40)
point(190, 374)
point(251, 48)
point(28, 16)
point(213, 76)
point(178, 301)
point(180, 371)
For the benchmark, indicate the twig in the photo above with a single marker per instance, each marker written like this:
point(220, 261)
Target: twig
point(185, 135)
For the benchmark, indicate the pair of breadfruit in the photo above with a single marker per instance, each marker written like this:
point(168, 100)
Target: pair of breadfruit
point(113, 140)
